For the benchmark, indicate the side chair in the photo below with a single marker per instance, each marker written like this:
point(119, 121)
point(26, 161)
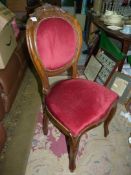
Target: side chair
point(75, 105)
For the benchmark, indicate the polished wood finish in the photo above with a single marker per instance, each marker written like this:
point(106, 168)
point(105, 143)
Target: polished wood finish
point(16, 6)
point(116, 34)
point(45, 12)
point(42, 13)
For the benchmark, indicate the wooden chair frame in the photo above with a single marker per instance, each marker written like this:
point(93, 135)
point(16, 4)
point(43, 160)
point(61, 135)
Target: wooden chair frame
point(42, 13)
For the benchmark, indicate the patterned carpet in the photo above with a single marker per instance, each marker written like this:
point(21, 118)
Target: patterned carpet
point(97, 155)
point(48, 155)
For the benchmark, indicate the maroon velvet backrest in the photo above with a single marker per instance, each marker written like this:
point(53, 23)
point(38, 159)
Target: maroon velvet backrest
point(54, 41)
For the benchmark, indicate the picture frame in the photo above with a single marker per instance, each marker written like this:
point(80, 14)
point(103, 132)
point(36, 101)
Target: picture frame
point(121, 84)
point(92, 69)
point(101, 67)
point(109, 66)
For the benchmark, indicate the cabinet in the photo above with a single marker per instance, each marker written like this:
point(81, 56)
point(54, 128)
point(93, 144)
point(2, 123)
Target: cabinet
point(17, 6)
point(11, 76)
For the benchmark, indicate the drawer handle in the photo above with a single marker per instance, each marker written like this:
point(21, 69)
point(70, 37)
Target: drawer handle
point(9, 43)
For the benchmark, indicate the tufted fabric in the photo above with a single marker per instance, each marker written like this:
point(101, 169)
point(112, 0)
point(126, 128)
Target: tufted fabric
point(79, 103)
point(56, 42)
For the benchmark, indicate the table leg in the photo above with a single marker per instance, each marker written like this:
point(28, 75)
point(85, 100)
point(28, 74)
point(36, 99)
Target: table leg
point(125, 47)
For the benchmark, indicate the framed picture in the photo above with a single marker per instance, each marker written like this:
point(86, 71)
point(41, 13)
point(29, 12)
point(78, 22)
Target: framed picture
point(101, 67)
point(121, 84)
point(92, 69)
point(109, 66)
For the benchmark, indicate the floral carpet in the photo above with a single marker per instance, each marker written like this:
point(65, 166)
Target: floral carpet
point(97, 155)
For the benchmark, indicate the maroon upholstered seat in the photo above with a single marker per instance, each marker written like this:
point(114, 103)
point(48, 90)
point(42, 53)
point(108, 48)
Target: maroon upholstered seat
point(79, 103)
point(74, 106)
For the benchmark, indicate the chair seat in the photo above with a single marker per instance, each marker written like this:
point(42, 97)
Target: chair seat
point(79, 103)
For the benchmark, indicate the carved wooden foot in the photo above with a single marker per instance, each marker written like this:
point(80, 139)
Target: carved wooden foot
point(73, 144)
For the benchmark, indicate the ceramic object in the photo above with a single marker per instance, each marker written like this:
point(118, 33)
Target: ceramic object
point(114, 27)
point(108, 13)
point(114, 19)
point(126, 29)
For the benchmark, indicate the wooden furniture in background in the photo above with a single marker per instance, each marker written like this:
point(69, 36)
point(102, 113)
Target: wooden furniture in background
point(10, 81)
point(11, 76)
point(123, 38)
point(16, 6)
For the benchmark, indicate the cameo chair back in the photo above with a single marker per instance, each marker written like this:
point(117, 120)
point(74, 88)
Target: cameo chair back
point(54, 40)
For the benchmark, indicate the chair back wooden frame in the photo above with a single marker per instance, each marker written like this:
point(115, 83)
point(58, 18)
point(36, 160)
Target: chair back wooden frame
point(42, 13)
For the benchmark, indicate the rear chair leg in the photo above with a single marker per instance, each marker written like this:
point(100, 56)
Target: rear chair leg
point(107, 121)
point(45, 124)
point(45, 118)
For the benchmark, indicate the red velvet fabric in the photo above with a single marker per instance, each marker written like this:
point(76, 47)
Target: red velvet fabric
point(78, 103)
point(56, 42)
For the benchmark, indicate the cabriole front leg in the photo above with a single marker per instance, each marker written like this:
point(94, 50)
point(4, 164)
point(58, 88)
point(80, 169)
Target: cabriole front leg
point(73, 143)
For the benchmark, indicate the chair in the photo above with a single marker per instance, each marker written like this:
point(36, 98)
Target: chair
point(74, 105)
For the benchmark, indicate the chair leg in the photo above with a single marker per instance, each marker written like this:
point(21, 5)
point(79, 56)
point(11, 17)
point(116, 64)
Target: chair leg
point(107, 121)
point(45, 124)
point(45, 120)
point(72, 147)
